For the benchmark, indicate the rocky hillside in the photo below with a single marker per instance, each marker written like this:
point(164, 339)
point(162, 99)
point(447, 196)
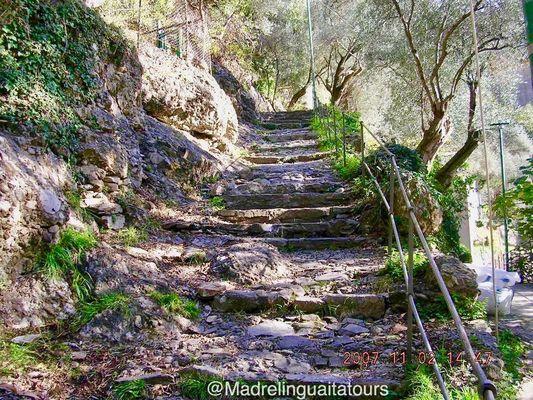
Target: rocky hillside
point(83, 133)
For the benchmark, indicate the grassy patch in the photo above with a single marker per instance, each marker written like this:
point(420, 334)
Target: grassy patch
point(74, 200)
point(61, 260)
point(194, 386)
point(130, 390)
point(512, 349)
point(468, 308)
point(16, 358)
point(110, 301)
point(132, 236)
point(217, 203)
point(175, 304)
point(197, 258)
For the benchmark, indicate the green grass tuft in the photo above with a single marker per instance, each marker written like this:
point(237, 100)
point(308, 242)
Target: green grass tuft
point(194, 386)
point(467, 307)
point(175, 304)
point(61, 260)
point(351, 170)
point(130, 390)
point(109, 301)
point(132, 236)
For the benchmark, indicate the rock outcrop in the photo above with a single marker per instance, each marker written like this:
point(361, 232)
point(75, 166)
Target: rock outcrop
point(459, 278)
point(187, 98)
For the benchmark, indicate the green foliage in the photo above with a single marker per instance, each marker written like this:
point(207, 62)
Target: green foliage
point(194, 386)
point(512, 349)
point(48, 54)
point(452, 201)
point(109, 301)
point(518, 205)
point(130, 390)
point(217, 203)
point(351, 169)
point(175, 304)
point(393, 265)
point(61, 260)
point(468, 308)
point(336, 121)
point(16, 357)
point(407, 159)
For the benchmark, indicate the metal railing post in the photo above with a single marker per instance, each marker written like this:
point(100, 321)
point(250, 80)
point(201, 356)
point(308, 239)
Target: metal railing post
point(362, 146)
point(391, 204)
point(344, 139)
point(410, 292)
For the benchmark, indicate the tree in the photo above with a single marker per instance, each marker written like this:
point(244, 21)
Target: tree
point(436, 46)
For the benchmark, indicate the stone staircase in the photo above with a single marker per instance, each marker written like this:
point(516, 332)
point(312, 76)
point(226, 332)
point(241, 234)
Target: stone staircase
point(304, 328)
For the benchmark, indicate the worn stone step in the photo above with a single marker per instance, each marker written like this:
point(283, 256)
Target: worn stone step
point(288, 124)
point(318, 243)
point(265, 186)
point(286, 148)
point(270, 159)
point(290, 136)
point(292, 200)
point(278, 215)
point(281, 116)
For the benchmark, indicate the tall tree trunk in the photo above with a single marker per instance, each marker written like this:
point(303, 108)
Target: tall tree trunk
point(448, 171)
point(439, 129)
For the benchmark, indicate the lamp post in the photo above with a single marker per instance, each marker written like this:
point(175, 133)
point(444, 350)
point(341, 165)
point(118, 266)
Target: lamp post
point(312, 53)
point(499, 126)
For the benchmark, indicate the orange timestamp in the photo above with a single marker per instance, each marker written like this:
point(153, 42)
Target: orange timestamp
point(364, 359)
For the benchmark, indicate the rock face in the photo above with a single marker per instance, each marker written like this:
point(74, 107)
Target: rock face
point(459, 278)
point(250, 263)
point(31, 200)
point(426, 208)
point(187, 98)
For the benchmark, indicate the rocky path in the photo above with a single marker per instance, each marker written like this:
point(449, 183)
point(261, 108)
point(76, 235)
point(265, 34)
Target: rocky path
point(307, 313)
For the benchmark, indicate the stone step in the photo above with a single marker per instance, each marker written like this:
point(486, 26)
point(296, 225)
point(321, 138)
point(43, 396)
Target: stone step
point(288, 124)
point(367, 306)
point(292, 200)
point(280, 116)
point(294, 147)
point(260, 186)
point(289, 136)
point(319, 243)
point(334, 228)
point(272, 159)
point(279, 215)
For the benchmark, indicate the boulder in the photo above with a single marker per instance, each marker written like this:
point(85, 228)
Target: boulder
point(250, 263)
point(187, 98)
point(426, 208)
point(271, 328)
point(459, 278)
point(357, 305)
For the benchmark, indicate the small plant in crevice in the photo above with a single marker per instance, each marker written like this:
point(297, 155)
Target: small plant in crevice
point(74, 200)
point(110, 301)
point(217, 203)
point(62, 259)
point(130, 390)
point(175, 304)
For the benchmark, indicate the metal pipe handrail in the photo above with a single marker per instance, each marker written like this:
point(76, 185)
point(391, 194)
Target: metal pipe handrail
point(487, 388)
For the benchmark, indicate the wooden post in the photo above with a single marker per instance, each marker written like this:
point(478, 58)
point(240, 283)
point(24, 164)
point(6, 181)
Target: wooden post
point(410, 291)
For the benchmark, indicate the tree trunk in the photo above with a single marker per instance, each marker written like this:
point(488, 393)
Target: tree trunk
point(448, 171)
point(300, 93)
point(434, 137)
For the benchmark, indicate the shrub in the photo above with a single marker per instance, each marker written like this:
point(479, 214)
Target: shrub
point(393, 265)
point(61, 260)
point(217, 203)
point(351, 170)
point(512, 349)
point(173, 303)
